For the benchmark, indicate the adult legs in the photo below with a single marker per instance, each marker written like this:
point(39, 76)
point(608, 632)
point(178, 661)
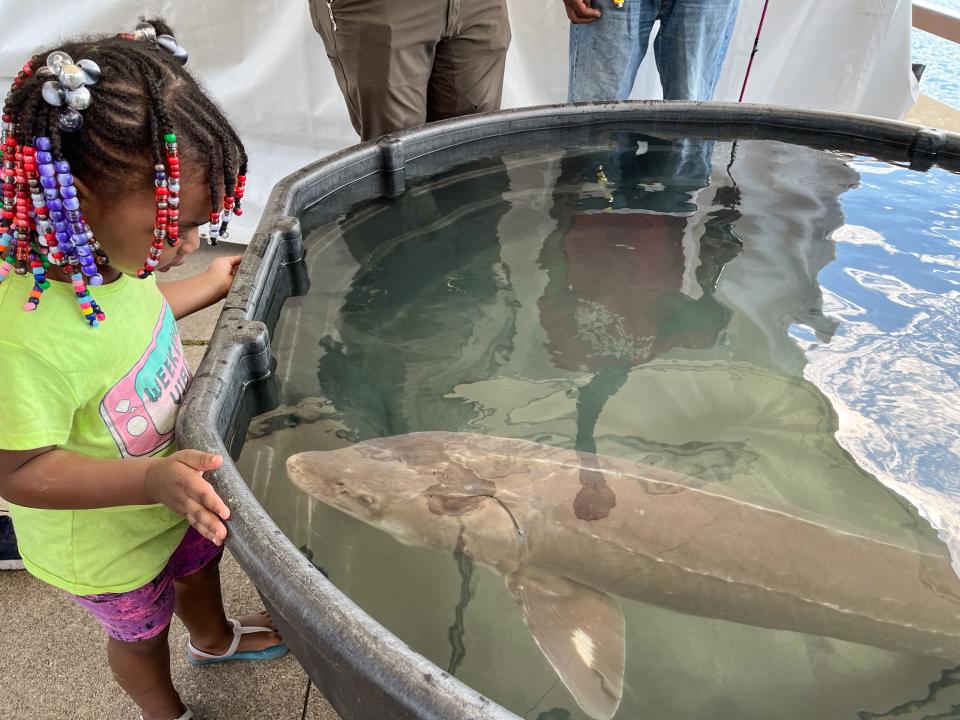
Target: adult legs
point(691, 46)
point(382, 54)
point(469, 61)
point(605, 54)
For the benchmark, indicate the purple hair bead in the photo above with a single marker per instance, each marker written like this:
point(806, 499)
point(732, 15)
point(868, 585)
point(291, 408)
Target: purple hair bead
point(54, 205)
point(44, 157)
point(71, 203)
point(46, 170)
point(65, 179)
point(68, 192)
point(62, 166)
point(48, 182)
point(42, 143)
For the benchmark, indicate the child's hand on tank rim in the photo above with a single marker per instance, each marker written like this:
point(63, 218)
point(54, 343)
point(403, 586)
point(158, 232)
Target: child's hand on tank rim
point(221, 272)
point(177, 482)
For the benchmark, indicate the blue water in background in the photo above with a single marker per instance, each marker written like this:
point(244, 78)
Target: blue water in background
point(891, 369)
point(941, 79)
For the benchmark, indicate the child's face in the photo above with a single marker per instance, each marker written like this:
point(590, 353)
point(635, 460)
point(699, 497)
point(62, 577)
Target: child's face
point(124, 227)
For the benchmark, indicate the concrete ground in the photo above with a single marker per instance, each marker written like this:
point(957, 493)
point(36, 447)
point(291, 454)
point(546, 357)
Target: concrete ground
point(53, 662)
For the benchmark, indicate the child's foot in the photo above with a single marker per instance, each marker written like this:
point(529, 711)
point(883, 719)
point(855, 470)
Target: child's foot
point(251, 637)
point(187, 715)
point(9, 556)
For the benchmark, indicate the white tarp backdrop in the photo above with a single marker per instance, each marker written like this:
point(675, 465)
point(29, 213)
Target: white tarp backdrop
point(267, 68)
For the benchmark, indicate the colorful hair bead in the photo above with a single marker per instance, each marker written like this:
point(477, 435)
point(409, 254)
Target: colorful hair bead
point(219, 220)
point(166, 226)
point(172, 199)
point(41, 220)
point(214, 235)
point(41, 223)
point(6, 261)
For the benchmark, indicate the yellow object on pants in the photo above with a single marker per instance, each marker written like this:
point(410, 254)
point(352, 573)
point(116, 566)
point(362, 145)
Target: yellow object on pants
point(401, 64)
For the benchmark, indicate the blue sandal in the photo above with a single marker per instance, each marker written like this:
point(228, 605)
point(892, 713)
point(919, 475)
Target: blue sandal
point(198, 657)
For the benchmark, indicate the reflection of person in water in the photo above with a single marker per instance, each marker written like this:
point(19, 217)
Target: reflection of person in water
point(614, 299)
point(616, 263)
point(431, 279)
point(742, 412)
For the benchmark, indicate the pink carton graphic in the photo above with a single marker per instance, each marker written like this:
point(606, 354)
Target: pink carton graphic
point(140, 411)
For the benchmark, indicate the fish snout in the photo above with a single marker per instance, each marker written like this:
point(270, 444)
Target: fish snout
point(304, 470)
point(294, 468)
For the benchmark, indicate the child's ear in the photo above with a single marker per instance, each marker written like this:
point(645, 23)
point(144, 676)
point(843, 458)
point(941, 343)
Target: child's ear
point(88, 200)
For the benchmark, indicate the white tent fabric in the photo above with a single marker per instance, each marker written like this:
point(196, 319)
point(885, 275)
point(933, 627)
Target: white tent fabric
point(266, 66)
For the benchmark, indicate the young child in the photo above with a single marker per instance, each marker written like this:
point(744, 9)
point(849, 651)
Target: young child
point(112, 158)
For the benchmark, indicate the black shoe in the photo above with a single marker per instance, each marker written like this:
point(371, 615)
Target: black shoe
point(9, 557)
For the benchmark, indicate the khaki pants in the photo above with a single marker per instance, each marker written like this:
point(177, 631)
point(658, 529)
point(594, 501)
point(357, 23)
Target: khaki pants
point(401, 63)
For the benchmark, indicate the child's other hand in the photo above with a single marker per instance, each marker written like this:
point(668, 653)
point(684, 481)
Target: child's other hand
point(221, 273)
point(177, 482)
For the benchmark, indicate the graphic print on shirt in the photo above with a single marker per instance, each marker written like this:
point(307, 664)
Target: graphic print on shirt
point(140, 411)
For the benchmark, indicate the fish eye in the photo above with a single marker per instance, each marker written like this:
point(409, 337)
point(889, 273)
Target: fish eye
point(365, 500)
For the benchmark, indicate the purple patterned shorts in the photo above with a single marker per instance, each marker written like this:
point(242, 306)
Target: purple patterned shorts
point(145, 612)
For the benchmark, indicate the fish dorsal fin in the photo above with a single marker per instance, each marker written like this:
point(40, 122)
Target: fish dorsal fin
point(580, 631)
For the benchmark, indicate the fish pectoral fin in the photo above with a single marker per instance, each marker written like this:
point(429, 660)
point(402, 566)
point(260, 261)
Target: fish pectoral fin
point(580, 631)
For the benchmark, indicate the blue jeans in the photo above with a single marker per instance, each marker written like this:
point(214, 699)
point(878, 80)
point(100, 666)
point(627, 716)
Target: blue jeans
point(689, 49)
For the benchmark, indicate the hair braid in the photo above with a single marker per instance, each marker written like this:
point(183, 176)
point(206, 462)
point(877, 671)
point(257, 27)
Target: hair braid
point(227, 135)
point(56, 136)
point(28, 122)
point(143, 97)
point(213, 172)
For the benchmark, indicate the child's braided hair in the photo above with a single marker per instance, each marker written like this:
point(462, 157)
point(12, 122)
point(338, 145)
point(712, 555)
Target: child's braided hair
point(126, 139)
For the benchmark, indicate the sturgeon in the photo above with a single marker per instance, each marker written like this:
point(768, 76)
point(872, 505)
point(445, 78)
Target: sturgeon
point(570, 531)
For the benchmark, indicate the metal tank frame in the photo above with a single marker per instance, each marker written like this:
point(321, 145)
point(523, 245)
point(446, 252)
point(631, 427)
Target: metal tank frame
point(364, 670)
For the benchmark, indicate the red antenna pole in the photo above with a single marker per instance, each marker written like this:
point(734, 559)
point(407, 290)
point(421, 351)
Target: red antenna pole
point(756, 43)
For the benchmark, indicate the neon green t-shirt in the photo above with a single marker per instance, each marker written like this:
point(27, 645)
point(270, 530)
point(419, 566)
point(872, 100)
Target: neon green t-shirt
point(108, 392)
